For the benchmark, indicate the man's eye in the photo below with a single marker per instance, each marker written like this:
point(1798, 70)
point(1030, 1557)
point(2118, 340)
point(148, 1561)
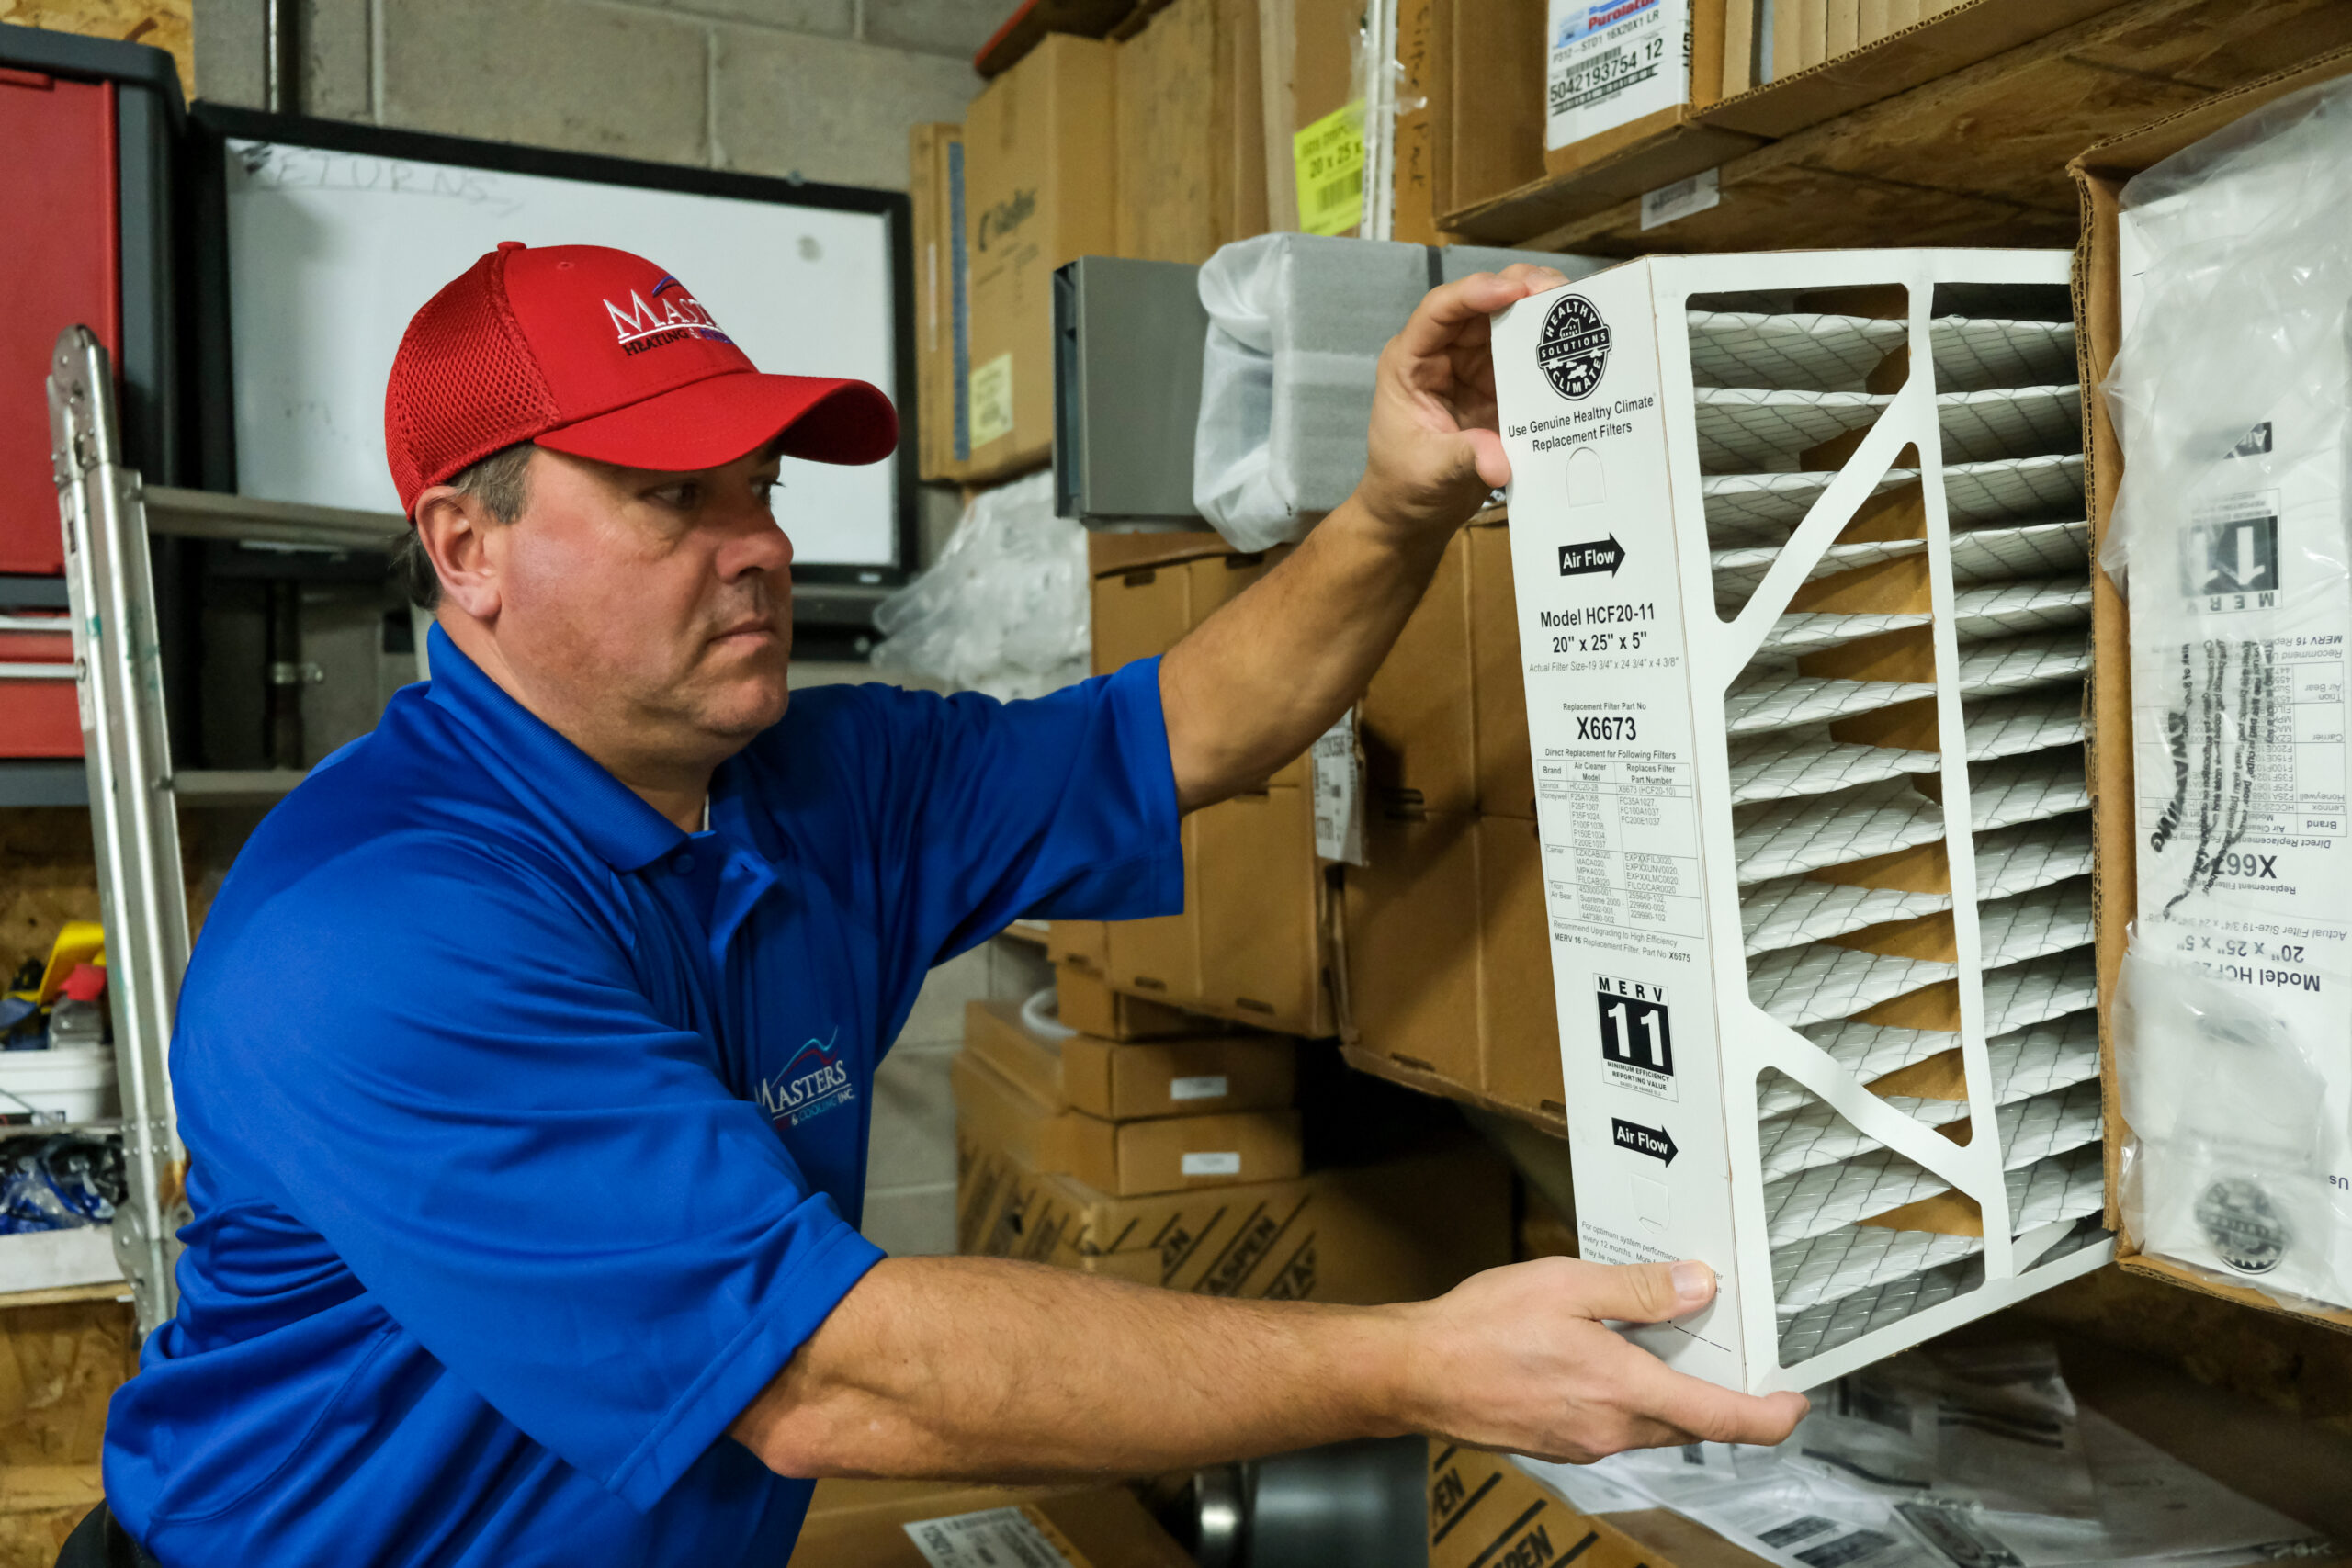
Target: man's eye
point(681, 495)
point(763, 491)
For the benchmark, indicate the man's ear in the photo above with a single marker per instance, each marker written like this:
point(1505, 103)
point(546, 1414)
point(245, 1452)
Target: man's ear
point(455, 530)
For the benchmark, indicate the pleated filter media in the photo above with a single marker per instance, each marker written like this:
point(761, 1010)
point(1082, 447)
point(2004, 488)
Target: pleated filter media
point(1804, 597)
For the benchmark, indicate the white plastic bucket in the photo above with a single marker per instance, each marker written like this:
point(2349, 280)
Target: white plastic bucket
point(64, 1083)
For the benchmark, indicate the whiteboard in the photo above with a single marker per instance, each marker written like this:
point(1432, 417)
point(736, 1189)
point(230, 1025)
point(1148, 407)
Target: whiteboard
point(329, 253)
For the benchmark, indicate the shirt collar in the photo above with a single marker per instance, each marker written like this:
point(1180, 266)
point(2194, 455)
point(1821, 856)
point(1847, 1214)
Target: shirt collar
point(562, 781)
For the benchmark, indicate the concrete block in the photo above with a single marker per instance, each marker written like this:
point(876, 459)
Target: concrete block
point(916, 1221)
point(229, 60)
point(827, 19)
point(933, 26)
point(333, 43)
point(938, 1015)
point(1017, 969)
point(562, 73)
point(913, 1138)
point(828, 110)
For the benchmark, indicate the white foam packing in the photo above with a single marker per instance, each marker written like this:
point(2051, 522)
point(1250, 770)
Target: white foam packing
point(1765, 508)
point(1736, 348)
point(1747, 429)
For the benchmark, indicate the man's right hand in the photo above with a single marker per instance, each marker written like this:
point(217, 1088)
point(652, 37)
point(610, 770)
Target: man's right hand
point(1519, 1359)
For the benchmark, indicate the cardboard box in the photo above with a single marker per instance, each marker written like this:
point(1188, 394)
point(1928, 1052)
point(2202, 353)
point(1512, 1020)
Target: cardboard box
point(1039, 188)
point(1484, 1510)
point(2100, 173)
point(1447, 956)
point(1190, 140)
point(1125, 1158)
point(870, 1524)
point(1189, 1077)
point(936, 188)
point(1506, 771)
point(1078, 946)
point(1618, 121)
point(1487, 103)
point(1083, 1000)
point(1402, 1230)
point(1250, 944)
point(1443, 724)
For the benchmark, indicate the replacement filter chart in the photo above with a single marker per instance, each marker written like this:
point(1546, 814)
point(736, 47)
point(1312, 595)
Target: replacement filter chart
point(1800, 558)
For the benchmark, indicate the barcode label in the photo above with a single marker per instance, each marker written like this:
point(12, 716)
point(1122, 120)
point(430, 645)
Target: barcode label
point(1221, 1162)
point(1208, 1085)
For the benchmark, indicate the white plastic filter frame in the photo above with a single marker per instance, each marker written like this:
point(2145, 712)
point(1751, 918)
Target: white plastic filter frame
point(1747, 1040)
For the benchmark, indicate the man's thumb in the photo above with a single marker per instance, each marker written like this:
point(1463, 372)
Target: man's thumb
point(1648, 1293)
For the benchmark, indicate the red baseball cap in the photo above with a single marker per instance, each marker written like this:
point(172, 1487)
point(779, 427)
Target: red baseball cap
point(600, 353)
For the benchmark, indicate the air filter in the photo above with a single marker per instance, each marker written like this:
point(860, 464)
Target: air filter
point(1799, 549)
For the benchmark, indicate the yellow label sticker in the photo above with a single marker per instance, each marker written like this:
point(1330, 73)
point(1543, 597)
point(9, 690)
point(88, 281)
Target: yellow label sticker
point(1330, 157)
point(991, 401)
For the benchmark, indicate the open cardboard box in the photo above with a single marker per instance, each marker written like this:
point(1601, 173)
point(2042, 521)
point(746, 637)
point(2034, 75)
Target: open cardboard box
point(865, 1524)
point(2100, 175)
point(1497, 185)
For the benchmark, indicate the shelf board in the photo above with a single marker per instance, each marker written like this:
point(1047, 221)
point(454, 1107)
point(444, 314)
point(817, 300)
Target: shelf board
point(243, 519)
point(44, 1263)
point(106, 1291)
point(235, 786)
point(26, 782)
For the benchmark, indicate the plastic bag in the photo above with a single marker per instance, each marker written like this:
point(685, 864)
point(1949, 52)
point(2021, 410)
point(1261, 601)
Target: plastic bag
point(60, 1183)
point(2232, 394)
point(2232, 1141)
point(1297, 324)
point(1004, 608)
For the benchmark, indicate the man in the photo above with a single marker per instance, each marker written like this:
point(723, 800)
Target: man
point(514, 1241)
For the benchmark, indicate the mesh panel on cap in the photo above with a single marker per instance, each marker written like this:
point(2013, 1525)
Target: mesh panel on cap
point(464, 384)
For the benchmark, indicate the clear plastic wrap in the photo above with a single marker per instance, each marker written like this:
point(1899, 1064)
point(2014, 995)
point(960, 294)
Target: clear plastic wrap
point(2231, 395)
point(1004, 608)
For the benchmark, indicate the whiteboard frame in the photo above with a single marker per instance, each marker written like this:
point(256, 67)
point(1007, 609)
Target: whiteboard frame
point(212, 125)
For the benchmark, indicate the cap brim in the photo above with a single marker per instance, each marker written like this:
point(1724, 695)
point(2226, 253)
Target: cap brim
point(707, 423)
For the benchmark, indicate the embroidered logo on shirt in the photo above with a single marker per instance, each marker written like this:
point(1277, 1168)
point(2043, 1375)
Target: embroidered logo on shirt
point(813, 1082)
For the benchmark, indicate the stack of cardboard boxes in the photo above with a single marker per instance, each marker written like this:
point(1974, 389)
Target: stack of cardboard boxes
point(1132, 1140)
point(1182, 131)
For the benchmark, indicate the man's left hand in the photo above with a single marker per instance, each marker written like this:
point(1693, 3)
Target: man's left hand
point(1435, 450)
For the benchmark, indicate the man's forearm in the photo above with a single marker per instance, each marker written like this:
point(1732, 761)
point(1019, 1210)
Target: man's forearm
point(1251, 687)
point(969, 1368)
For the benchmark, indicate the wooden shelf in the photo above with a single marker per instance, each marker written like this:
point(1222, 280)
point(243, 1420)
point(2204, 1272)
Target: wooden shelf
point(1973, 156)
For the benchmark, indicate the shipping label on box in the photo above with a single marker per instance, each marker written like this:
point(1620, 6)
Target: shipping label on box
point(1612, 62)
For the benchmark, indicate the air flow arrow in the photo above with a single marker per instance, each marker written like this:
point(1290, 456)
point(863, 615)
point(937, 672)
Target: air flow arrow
point(1654, 1142)
point(1602, 555)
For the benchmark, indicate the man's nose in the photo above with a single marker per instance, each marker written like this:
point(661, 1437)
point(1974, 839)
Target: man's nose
point(761, 549)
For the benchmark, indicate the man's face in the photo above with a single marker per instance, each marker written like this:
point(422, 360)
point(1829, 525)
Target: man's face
point(655, 608)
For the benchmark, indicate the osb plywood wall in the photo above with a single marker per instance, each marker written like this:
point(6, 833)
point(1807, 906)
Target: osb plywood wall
point(163, 24)
point(59, 1365)
point(46, 875)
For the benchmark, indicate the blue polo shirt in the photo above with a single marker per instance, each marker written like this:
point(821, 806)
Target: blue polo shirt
point(528, 1132)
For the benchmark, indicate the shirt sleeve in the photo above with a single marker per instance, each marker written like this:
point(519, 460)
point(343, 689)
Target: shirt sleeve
point(454, 1077)
point(980, 811)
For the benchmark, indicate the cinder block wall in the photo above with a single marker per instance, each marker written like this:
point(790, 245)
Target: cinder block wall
point(817, 89)
point(821, 89)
